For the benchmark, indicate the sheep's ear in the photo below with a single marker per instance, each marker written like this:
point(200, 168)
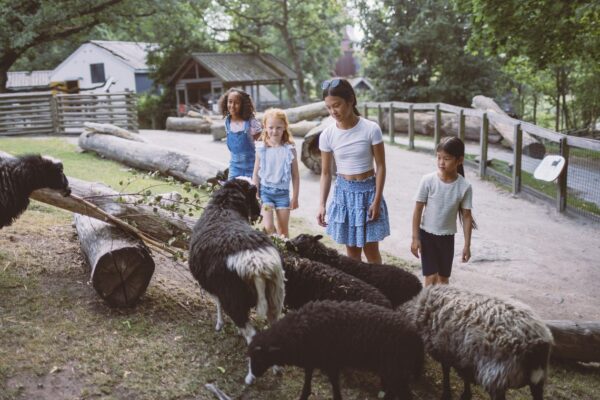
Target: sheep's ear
point(318, 237)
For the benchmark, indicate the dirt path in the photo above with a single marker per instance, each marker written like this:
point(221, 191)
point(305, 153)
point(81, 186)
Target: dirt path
point(523, 248)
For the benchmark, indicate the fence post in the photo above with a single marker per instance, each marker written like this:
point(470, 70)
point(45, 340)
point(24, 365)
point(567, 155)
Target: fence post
point(561, 198)
point(411, 127)
point(391, 124)
point(437, 127)
point(366, 111)
point(54, 115)
point(379, 115)
point(483, 141)
point(517, 157)
point(461, 125)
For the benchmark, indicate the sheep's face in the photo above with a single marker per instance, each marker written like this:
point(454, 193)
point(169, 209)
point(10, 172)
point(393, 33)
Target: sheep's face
point(242, 196)
point(261, 358)
point(54, 177)
point(305, 244)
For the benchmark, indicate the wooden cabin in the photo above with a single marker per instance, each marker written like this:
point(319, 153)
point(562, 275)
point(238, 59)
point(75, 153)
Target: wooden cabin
point(204, 77)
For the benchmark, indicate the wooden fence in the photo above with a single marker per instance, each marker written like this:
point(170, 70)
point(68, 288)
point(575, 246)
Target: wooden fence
point(44, 113)
point(564, 143)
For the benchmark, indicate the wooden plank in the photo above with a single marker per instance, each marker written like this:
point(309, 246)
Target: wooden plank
point(450, 108)
point(483, 145)
point(437, 127)
point(561, 195)
point(583, 143)
point(461, 124)
point(517, 158)
point(411, 127)
point(391, 122)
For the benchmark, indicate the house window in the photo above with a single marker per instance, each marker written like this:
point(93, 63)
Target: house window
point(97, 71)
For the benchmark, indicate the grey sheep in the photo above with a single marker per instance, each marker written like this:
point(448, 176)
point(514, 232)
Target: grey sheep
point(496, 343)
point(395, 283)
point(331, 335)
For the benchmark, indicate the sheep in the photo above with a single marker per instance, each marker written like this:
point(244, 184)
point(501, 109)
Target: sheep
point(331, 335)
point(395, 283)
point(20, 176)
point(308, 280)
point(238, 265)
point(496, 343)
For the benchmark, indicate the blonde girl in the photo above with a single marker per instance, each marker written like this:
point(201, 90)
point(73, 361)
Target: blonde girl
point(275, 167)
point(441, 196)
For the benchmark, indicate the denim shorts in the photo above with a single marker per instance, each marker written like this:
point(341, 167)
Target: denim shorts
point(276, 198)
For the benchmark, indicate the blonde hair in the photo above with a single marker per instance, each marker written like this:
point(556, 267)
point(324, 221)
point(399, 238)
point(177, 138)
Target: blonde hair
point(281, 115)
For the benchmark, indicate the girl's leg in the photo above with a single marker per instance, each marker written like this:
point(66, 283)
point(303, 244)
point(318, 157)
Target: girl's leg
point(443, 280)
point(431, 279)
point(267, 214)
point(372, 253)
point(354, 252)
point(283, 220)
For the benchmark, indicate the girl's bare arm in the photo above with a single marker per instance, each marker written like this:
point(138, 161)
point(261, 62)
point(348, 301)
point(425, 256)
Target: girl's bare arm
point(295, 181)
point(415, 246)
point(325, 185)
point(467, 229)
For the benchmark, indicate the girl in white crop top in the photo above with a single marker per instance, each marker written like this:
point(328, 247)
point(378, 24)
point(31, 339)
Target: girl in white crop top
point(357, 214)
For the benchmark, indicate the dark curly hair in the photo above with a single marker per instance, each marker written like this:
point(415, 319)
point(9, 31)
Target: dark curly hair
point(247, 104)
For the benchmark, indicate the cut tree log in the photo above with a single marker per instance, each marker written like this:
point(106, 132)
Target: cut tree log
point(576, 341)
point(425, 125)
point(531, 146)
point(189, 124)
point(120, 265)
point(307, 112)
point(311, 155)
point(301, 129)
point(114, 130)
point(149, 157)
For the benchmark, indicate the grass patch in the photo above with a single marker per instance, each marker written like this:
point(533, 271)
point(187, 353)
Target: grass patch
point(93, 168)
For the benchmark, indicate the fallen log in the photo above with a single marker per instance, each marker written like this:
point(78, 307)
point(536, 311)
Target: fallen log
point(114, 130)
point(307, 112)
point(120, 264)
point(425, 125)
point(576, 341)
point(301, 129)
point(531, 146)
point(149, 157)
point(311, 155)
point(189, 124)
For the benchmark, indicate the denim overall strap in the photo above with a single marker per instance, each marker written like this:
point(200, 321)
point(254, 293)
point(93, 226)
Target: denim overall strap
point(241, 146)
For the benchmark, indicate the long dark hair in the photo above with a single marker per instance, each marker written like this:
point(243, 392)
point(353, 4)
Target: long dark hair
point(344, 90)
point(456, 148)
point(247, 104)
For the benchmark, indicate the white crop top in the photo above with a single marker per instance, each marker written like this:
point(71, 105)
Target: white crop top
point(351, 148)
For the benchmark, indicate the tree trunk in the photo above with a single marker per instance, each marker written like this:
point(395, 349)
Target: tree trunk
point(576, 341)
point(293, 51)
point(311, 155)
point(531, 146)
point(160, 225)
point(307, 112)
point(186, 167)
point(113, 130)
point(189, 124)
point(301, 129)
point(120, 265)
point(6, 61)
point(425, 125)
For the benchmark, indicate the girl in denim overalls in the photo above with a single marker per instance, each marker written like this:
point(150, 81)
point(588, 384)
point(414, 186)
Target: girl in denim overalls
point(242, 130)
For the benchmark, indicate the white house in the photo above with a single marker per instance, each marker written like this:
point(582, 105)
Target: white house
point(96, 61)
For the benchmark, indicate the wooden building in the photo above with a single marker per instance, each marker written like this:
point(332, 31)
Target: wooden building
point(204, 77)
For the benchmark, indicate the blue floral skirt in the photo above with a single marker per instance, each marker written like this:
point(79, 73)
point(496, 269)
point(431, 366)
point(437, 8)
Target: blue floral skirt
point(348, 212)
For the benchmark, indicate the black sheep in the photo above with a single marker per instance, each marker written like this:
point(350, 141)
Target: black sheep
point(235, 263)
point(331, 335)
point(308, 280)
point(395, 283)
point(20, 176)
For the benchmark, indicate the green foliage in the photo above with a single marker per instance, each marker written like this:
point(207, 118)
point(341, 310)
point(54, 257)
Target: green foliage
point(305, 34)
point(417, 52)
